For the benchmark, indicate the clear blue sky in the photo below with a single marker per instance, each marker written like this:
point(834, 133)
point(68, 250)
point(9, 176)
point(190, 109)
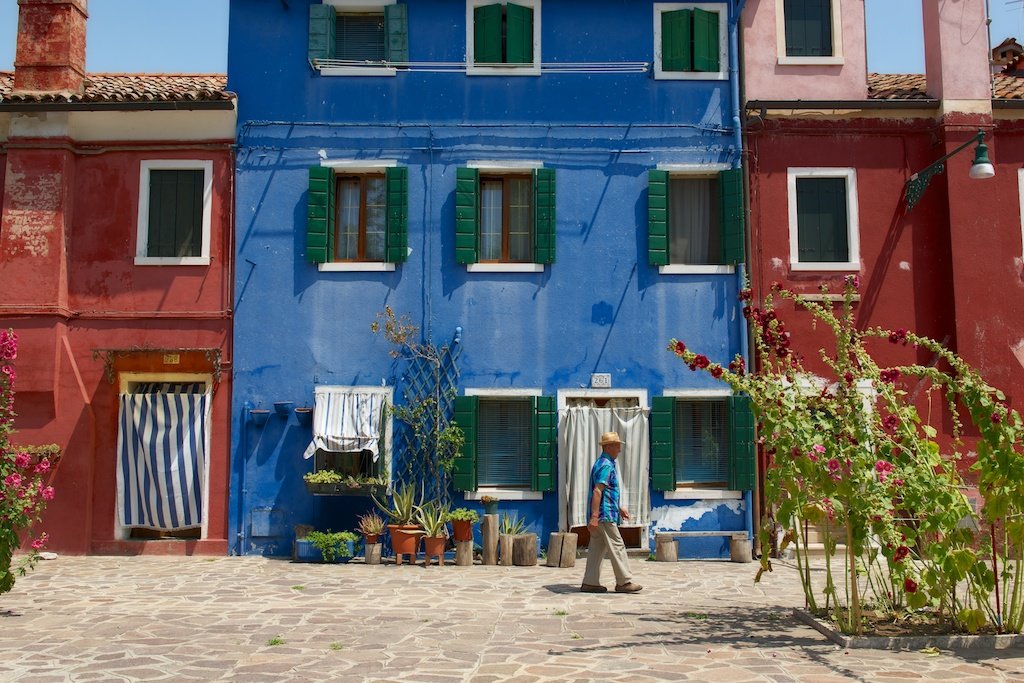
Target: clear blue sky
point(145, 35)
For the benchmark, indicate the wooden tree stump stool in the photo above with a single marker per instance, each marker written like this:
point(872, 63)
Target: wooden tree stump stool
point(524, 550)
point(463, 553)
point(562, 549)
point(507, 543)
point(489, 530)
point(372, 553)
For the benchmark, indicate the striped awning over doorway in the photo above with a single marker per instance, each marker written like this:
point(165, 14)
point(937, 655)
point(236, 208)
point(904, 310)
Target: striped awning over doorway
point(162, 444)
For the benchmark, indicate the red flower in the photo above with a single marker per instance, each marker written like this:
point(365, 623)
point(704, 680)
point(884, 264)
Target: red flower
point(900, 555)
point(737, 366)
point(701, 361)
point(746, 295)
point(898, 336)
point(680, 348)
point(848, 376)
point(890, 375)
point(997, 418)
point(909, 585)
point(716, 371)
point(890, 423)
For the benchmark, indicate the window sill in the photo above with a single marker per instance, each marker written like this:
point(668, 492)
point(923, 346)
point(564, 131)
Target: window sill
point(660, 75)
point(504, 494)
point(679, 269)
point(811, 61)
point(525, 70)
point(702, 494)
point(505, 268)
point(338, 267)
point(172, 261)
point(358, 71)
point(849, 267)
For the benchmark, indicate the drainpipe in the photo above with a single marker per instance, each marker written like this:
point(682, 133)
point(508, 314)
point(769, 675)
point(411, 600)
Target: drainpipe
point(741, 269)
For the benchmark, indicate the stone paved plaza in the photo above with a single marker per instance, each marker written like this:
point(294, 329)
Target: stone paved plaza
point(255, 619)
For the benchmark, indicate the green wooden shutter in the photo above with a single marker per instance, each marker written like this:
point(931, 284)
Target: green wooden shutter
point(663, 457)
point(396, 22)
point(676, 40)
point(320, 215)
point(544, 215)
point(808, 27)
point(731, 214)
point(464, 469)
point(657, 218)
point(321, 31)
point(397, 181)
point(705, 40)
point(467, 201)
point(822, 230)
point(518, 34)
point(545, 420)
point(742, 446)
point(487, 34)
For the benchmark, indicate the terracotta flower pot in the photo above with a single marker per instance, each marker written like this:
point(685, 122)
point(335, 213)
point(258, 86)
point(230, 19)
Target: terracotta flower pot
point(462, 530)
point(405, 539)
point(371, 538)
point(434, 546)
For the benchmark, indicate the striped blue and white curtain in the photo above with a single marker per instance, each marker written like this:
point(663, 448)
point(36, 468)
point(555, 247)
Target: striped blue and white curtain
point(346, 420)
point(162, 444)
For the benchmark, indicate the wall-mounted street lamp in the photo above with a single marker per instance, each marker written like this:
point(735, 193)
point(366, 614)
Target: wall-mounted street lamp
point(981, 168)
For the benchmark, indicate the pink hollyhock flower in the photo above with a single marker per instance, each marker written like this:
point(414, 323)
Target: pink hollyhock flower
point(40, 542)
point(13, 480)
point(833, 465)
point(884, 469)
point(22, 460)
point(42, 466)
point(48, 493)
point(818, 448)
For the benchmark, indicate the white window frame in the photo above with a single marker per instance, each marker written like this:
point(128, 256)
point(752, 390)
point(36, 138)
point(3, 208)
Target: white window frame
point(723, 42)
point(852, 220)
point(505, 167)
point(387, 439)
point(837, 37)
point(142, 233)
point(343, 6)
point(695, 171)
point(495, 491)
point(123, 533)
point(474, 70)
point(356, 166)
point(1020, 196)
point(684, 492)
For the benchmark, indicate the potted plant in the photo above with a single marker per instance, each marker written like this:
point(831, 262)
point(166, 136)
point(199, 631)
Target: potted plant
point(432, 517)
point(326, 546)
point(462, 520)
point(371, 526)
point(490, 505)
point(405, 532)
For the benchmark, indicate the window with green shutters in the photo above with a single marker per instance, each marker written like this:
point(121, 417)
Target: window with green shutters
point(701, 441)
point(509, 443)
point(695, 219)
point(808, 26)
point(357, 217)
point(349, 42)
point(504, 217)
point(690, 40)
point(823, 215)
point(174, 212)
point(502, 35)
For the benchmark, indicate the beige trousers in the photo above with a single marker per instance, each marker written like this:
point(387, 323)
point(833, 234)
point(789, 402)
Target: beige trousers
point(606, 541)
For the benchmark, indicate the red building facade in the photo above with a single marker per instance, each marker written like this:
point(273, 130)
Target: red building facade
point(949, 267)
point(115, 272)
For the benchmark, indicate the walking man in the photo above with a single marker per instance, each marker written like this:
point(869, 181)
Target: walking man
point(603, 522)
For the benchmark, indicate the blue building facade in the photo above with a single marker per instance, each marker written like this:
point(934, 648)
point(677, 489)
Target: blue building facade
point(550, 189)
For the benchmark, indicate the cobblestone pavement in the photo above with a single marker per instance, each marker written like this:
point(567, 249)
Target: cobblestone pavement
point(255, 619)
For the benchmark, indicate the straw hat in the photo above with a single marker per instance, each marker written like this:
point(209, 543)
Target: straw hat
point(610, 437)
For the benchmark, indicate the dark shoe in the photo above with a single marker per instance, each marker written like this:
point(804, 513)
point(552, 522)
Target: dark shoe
point(588, 588)
point(629, 588)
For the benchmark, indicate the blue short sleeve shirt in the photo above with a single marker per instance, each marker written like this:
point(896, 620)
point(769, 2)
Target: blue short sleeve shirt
point(603, 472)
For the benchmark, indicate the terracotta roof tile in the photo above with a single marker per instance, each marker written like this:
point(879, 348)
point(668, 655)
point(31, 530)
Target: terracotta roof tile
point(119, 87)
point(912, 87)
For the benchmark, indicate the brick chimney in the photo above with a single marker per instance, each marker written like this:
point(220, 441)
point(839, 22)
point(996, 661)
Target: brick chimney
point(50, 57)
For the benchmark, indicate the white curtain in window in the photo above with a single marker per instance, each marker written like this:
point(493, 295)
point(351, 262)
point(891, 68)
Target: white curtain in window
point(345, 421)
point(579, 436)
point(691, 212)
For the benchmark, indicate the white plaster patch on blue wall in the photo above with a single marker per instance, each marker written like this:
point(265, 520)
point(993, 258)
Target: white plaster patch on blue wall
point(673, 517)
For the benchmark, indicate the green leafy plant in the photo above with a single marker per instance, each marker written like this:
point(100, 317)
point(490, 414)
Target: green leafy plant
point(432, 517)
point(276, 640)
point(335, 477)
point(336, 646)
point(332, 544)
point(512, 525)
point(402, 507)
point(23, 473)
point(463, 515)
point(371, 524)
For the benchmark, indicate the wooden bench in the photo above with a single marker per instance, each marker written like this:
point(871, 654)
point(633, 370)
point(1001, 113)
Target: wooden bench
point(667, 548)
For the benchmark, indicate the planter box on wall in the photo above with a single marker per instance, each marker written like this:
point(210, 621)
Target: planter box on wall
point(344, 490)
point(307, 552)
